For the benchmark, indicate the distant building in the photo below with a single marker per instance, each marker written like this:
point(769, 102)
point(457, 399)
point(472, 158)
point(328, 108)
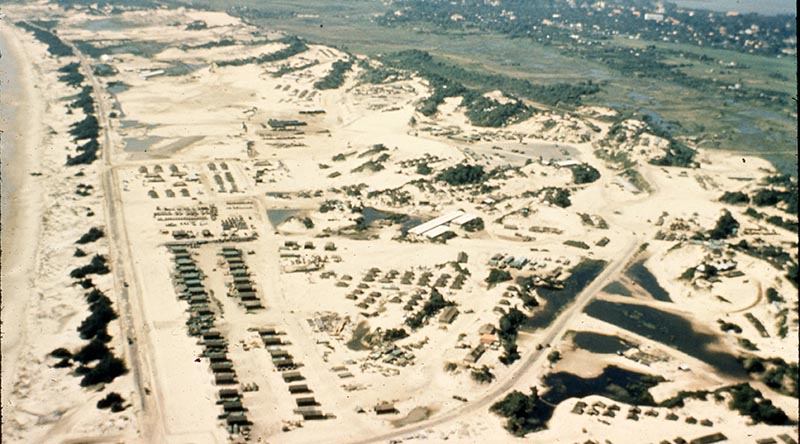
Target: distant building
point(654, 17)
point(434, 223)
point(567, 163)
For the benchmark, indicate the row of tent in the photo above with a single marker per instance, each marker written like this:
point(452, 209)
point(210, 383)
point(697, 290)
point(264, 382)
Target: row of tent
point(242, 286)
point(307, 406)
point(189, 286)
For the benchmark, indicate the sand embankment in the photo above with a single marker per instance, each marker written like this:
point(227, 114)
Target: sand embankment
point(22, 134)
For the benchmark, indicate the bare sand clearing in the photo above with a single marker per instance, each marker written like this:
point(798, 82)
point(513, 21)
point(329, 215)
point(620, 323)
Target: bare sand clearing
point(20, 215)
point(209, 156)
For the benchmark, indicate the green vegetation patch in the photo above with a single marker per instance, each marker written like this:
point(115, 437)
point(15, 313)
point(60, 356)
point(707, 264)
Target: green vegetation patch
point(462, 174)
point(584, 173)
point(335, 78)
point(294, 46)
point(430, 67)
point(432, 306)
point(55, 46)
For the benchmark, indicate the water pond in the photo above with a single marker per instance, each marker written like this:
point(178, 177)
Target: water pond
point(667, 328)
point(600, 343)
point(142, 144)
point(617, 288)
point(556, 300)
point(642, 276)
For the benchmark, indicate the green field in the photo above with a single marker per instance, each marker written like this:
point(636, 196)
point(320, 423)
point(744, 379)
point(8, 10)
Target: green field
point(715, 121)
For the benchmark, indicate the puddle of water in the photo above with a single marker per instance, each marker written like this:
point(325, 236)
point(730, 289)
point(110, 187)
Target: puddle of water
point(181, 68)
point(371, 215)
point(358, 335)
point(642, 276)
point(139, 145)
point(617, 288)
point(277, 217)
point(117, 87)
point(600, 343)
point(107, 24)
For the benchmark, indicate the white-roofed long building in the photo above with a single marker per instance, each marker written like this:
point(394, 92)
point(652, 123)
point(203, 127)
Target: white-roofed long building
point(433, 223)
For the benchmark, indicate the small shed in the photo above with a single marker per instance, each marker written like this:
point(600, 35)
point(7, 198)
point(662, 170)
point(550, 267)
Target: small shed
point(217, 356)
point(232, 406)
point(247, 295)
point(284, 364)
point(310, 413)
point(299, 388)
point(228, 378)
point(384, 408)
point(448, 315)
point(279, 354)
point(292, 376)
point(304, 401)
point(228, 394)
point(221, 367)
point(272, 340)
point(252, 305)
point(238, 418)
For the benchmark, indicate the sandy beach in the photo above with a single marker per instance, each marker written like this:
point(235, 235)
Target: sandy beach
point(21, 196)
point(43, 217)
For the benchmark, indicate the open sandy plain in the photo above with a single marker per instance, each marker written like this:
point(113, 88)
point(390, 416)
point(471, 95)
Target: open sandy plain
point(317, 188)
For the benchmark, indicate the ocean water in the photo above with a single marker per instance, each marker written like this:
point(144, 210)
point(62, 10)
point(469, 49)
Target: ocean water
point(8, 73)
point(766, 7)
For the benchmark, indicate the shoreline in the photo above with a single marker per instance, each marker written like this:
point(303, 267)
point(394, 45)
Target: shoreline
point(20, 239)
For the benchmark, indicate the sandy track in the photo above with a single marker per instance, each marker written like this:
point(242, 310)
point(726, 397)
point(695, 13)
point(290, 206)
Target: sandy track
point(531, 361)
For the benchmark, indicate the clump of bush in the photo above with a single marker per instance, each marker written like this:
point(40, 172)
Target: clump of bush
point(750, 402)
point(462, 174)
point(114, 401)
point(92, 235)
point(523, 413)
point(394, 334)
point(98, 265)
point(726, 227)
point(432, 306)
point(474, 225)
point(555, 196)
point(105, 371)
point(336, 77)
point(508, 327)
point(496, 275)
point(483, 375)
point(584, 173)
point(734, 198)
point(96, 324)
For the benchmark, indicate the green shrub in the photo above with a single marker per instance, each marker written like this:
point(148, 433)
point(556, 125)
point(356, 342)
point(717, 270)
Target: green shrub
point(497, 275)
point(462, 174)
point(584, 173)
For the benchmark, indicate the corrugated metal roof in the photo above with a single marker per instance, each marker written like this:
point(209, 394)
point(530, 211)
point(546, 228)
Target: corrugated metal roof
point(433, 223)
point(461, 220)
point(438, 231)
